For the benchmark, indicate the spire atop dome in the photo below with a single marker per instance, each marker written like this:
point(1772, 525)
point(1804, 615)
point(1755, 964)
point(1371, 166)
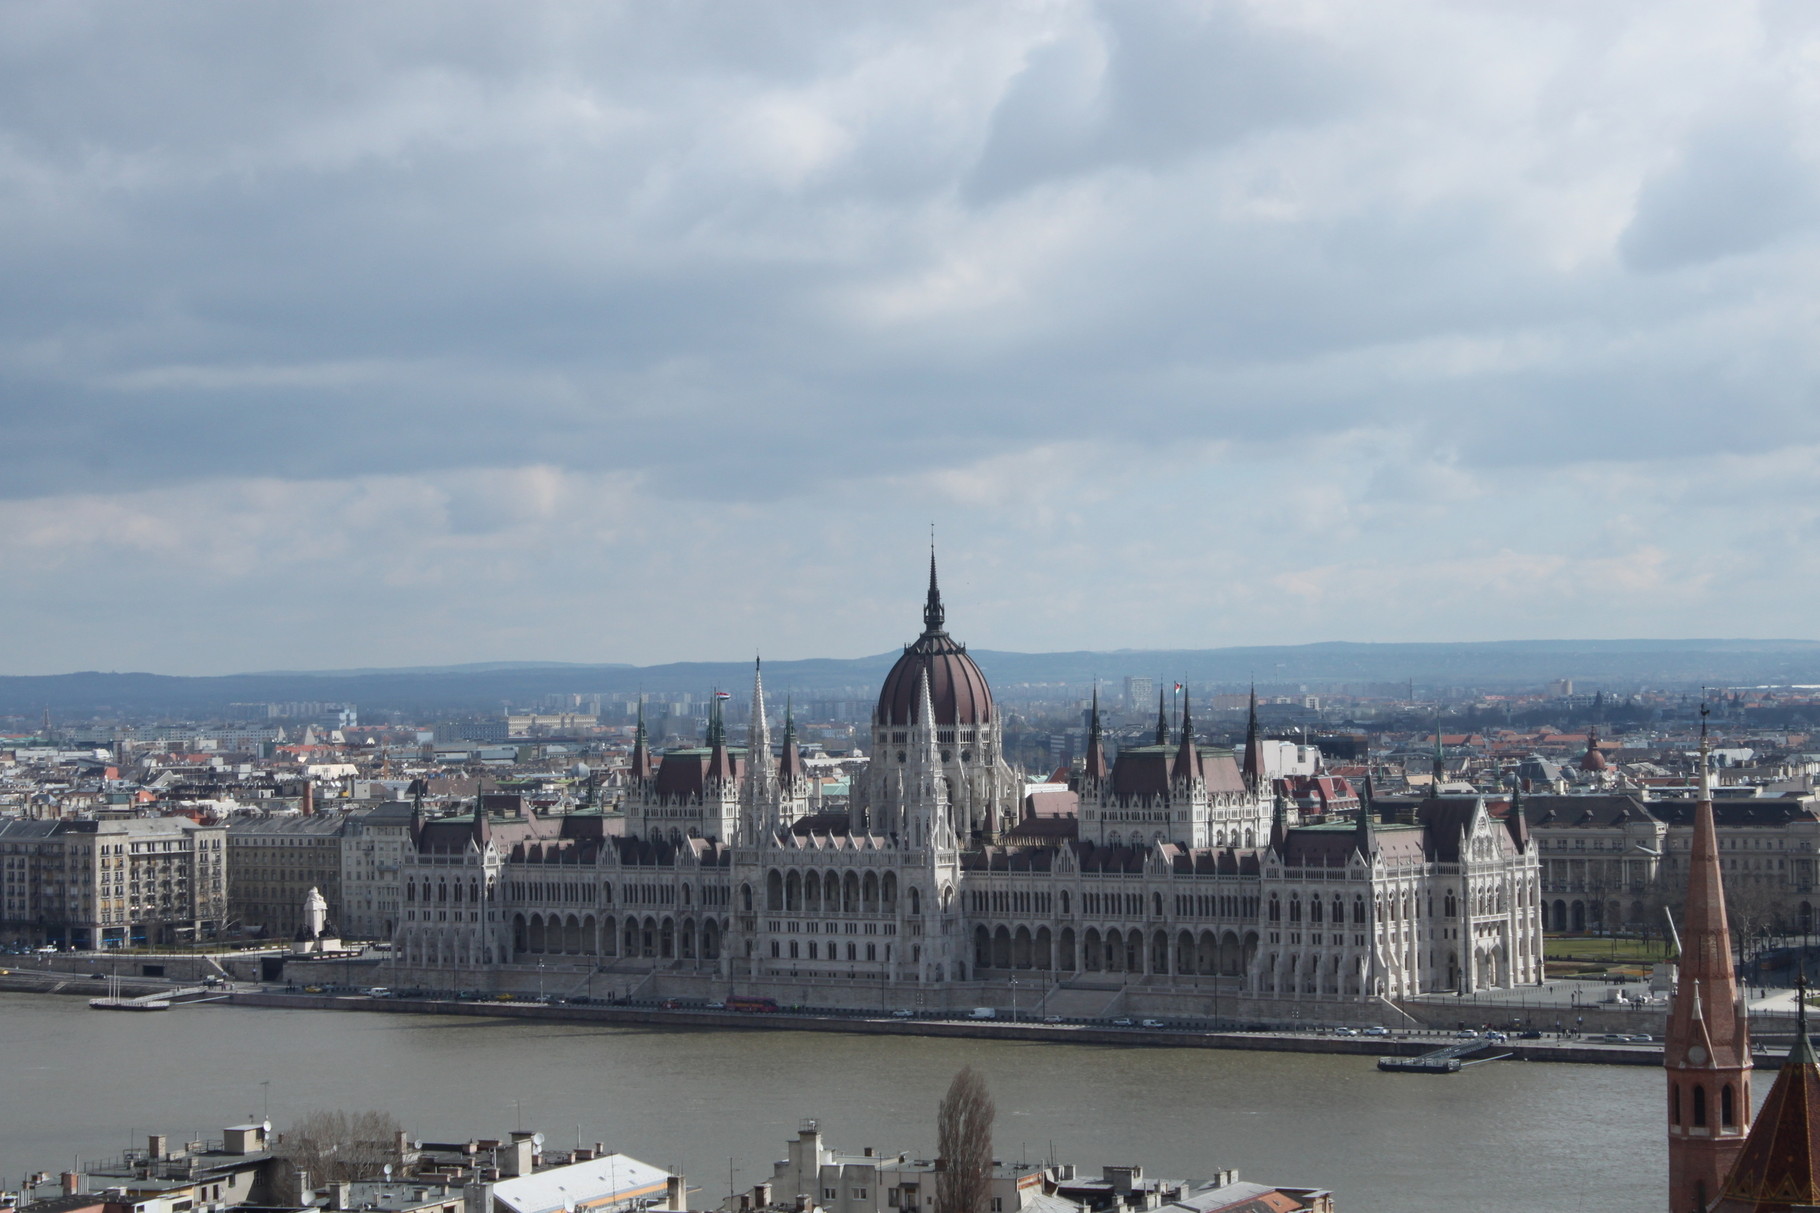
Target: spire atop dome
point(933, 614)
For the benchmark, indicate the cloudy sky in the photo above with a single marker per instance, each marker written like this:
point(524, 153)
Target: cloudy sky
point(387, 334)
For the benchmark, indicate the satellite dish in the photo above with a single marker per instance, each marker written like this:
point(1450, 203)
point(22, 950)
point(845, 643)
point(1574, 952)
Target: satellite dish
point(388, 1172)
point(537, 1140)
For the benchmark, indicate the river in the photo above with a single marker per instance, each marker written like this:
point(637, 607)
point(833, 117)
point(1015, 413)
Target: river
point(1505, 1136)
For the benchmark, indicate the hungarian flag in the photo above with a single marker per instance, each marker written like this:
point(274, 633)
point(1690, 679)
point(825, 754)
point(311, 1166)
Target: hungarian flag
point(1178, 688)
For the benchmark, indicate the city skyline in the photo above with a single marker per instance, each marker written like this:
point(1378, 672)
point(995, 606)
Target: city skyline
point(351, 337)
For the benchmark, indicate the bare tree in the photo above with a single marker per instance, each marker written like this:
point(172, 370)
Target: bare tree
point(340, 1146)
point(963, 1143)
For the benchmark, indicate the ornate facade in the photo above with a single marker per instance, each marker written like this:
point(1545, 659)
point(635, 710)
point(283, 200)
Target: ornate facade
point(1183, 880)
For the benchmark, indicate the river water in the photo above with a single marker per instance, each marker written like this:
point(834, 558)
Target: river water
point(1506, 1136)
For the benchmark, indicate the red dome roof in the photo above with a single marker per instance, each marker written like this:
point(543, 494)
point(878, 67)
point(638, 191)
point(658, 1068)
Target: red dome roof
point(956, 687)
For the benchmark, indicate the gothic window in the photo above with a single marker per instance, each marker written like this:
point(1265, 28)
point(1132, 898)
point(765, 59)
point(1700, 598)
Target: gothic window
point(1727, 1112)
point(1276, 909)
point(1699, 1107)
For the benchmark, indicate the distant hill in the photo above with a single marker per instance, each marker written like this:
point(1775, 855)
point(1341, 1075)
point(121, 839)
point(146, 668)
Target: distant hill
point(1610, 665)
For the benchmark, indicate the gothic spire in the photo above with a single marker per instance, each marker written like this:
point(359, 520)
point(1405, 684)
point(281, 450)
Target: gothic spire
point(1253, 768)
point(717, 724)
point(1279, 823)
point(1514, 820)
point(790, 762)
point(641, 749)
point(1187, 758)
point(1440, 763)
point(758, 740)
point(933, 615)
point(1162, 719)
point(1364, 837)
point(1096, 751)
point(1707, 1045)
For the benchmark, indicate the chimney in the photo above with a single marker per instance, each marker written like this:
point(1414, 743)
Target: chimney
point(154, 1146)
point(341, 1195)
point(676, 1193)
point(761, 1194)
point(72, 1183)
point(516, 1159)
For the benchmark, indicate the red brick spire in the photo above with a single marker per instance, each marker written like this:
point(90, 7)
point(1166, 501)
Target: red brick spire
point(1779, 1167)
point(1707, 1049)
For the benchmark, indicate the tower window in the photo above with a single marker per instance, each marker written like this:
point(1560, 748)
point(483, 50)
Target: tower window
point(1699, 1107)
point(1727, 1114)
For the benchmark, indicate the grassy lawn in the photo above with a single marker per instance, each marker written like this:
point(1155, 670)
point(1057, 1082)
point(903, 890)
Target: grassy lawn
point(1597, 956)
point(1605, 949)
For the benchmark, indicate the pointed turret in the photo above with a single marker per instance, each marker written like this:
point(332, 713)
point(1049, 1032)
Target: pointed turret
point(759, 774)
point(1279, 823)
point(1253, 766)
point(1162, 719)
point(1096, 751)
point(1706, 1051)
point(642, 767)
point(720, 759)
point(1514, 820)
point(1364, 835)
point(1779, 1167)
point(1187, 767)
point(790, 770)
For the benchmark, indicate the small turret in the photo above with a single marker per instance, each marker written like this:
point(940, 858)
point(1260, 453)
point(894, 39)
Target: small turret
point(1253, 768)
point(1162, 720)
point(642, 767)
point(1096, 751)
point(1187, 766)
point(1364, 837)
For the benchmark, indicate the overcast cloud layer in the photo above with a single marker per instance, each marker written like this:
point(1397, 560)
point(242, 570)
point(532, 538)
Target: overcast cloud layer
point(355, 334)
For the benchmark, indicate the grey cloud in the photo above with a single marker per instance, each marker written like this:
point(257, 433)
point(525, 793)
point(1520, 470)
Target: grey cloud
point(1736, 188)
point(1145, 84)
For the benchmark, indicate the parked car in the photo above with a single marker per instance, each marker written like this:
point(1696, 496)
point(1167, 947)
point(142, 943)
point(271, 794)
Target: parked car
point(1121, 1022)
point(1153, 1023)
point(1052, 1019)
point(1376, 1029)
point(1466, 1034)
point(903, 1013)
point(1342, 1030)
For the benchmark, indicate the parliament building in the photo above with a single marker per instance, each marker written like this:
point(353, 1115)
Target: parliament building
point(1181, 887)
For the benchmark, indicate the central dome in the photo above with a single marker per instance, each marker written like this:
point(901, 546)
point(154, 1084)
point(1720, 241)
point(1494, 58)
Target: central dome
point(956, 687)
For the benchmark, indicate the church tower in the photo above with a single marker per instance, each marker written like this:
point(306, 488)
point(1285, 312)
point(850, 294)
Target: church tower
point(1707, 1050)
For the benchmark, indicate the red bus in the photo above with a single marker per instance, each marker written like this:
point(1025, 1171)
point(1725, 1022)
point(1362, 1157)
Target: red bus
point(745, 1002)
